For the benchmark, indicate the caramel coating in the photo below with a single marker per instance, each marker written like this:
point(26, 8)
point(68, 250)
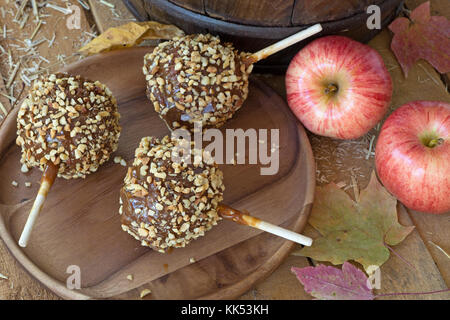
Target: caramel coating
point(167, 204)
point(196, 78)
point(70, 121)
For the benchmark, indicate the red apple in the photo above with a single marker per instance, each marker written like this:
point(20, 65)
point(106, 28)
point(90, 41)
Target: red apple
point(338, 87)
point(412, 155)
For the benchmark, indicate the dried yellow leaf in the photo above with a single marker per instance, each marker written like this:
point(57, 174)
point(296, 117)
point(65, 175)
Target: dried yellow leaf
point(129, 35)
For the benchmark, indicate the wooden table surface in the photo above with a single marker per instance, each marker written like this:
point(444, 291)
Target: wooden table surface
point(426, 248)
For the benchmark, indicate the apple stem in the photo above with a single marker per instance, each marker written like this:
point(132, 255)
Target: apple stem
point(435, 142)
point(331, 88)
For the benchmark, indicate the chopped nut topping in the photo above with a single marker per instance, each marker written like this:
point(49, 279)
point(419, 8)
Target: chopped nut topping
point(168, 204)
point(188, 80)
point(69, 121)
point(24, 168)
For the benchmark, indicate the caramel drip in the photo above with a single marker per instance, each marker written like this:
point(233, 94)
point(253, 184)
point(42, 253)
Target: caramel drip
point(237, 216)
point(48, 177)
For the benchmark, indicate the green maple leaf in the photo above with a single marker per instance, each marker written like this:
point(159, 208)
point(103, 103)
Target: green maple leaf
point(352, 230)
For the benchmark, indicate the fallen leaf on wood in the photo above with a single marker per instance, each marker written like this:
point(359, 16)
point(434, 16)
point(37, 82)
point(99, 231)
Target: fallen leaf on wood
point(129, 35)
point(330, 283)
point(348, 283)
point(422, 37)
point(359, 231)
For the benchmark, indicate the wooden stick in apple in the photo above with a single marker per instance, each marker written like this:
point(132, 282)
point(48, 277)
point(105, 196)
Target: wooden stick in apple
point(48, 177)
point(167, 202)
point(237, 216)
point(280, 45)
point(67, 126)
point(228, 71)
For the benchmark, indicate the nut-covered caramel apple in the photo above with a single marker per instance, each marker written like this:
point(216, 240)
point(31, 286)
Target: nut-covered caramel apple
point(70, 122)
point(166, 204)
point(67, 126)
point(196, 78)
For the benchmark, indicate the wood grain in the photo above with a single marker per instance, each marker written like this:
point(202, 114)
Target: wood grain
point(281, 284)
point(194, 5)
point(252, 12)
point(418, 274)
point(313, 11)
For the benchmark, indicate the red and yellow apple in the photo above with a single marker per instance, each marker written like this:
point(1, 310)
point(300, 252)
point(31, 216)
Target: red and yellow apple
point(338, 87)
point(412, 155)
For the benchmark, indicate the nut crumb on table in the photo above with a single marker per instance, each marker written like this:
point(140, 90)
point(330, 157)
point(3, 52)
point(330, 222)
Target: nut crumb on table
point(145, 292)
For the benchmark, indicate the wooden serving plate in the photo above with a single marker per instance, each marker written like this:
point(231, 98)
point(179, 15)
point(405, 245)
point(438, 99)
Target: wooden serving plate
point(80, 224)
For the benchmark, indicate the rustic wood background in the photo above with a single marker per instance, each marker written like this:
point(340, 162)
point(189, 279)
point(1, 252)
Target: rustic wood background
point(426, 249)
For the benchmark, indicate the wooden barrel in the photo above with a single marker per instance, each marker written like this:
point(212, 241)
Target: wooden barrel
point(254, 24)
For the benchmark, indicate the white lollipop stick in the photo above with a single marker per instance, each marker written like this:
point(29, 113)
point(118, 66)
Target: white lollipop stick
point(48, 177)
point(283, 233)
point(229, 213)
point(289, 41)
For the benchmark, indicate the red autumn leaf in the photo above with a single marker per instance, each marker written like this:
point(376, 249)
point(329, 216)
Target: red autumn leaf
point(331, 283)
point(422, 36)
point(348, 283)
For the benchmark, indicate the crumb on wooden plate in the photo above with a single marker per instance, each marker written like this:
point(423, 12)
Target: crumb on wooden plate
point(145, 292)
point(15, 183)
point(120, 160)
point(28, 184)
point(191, 260)
point(130, 277)
point(24, 168)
